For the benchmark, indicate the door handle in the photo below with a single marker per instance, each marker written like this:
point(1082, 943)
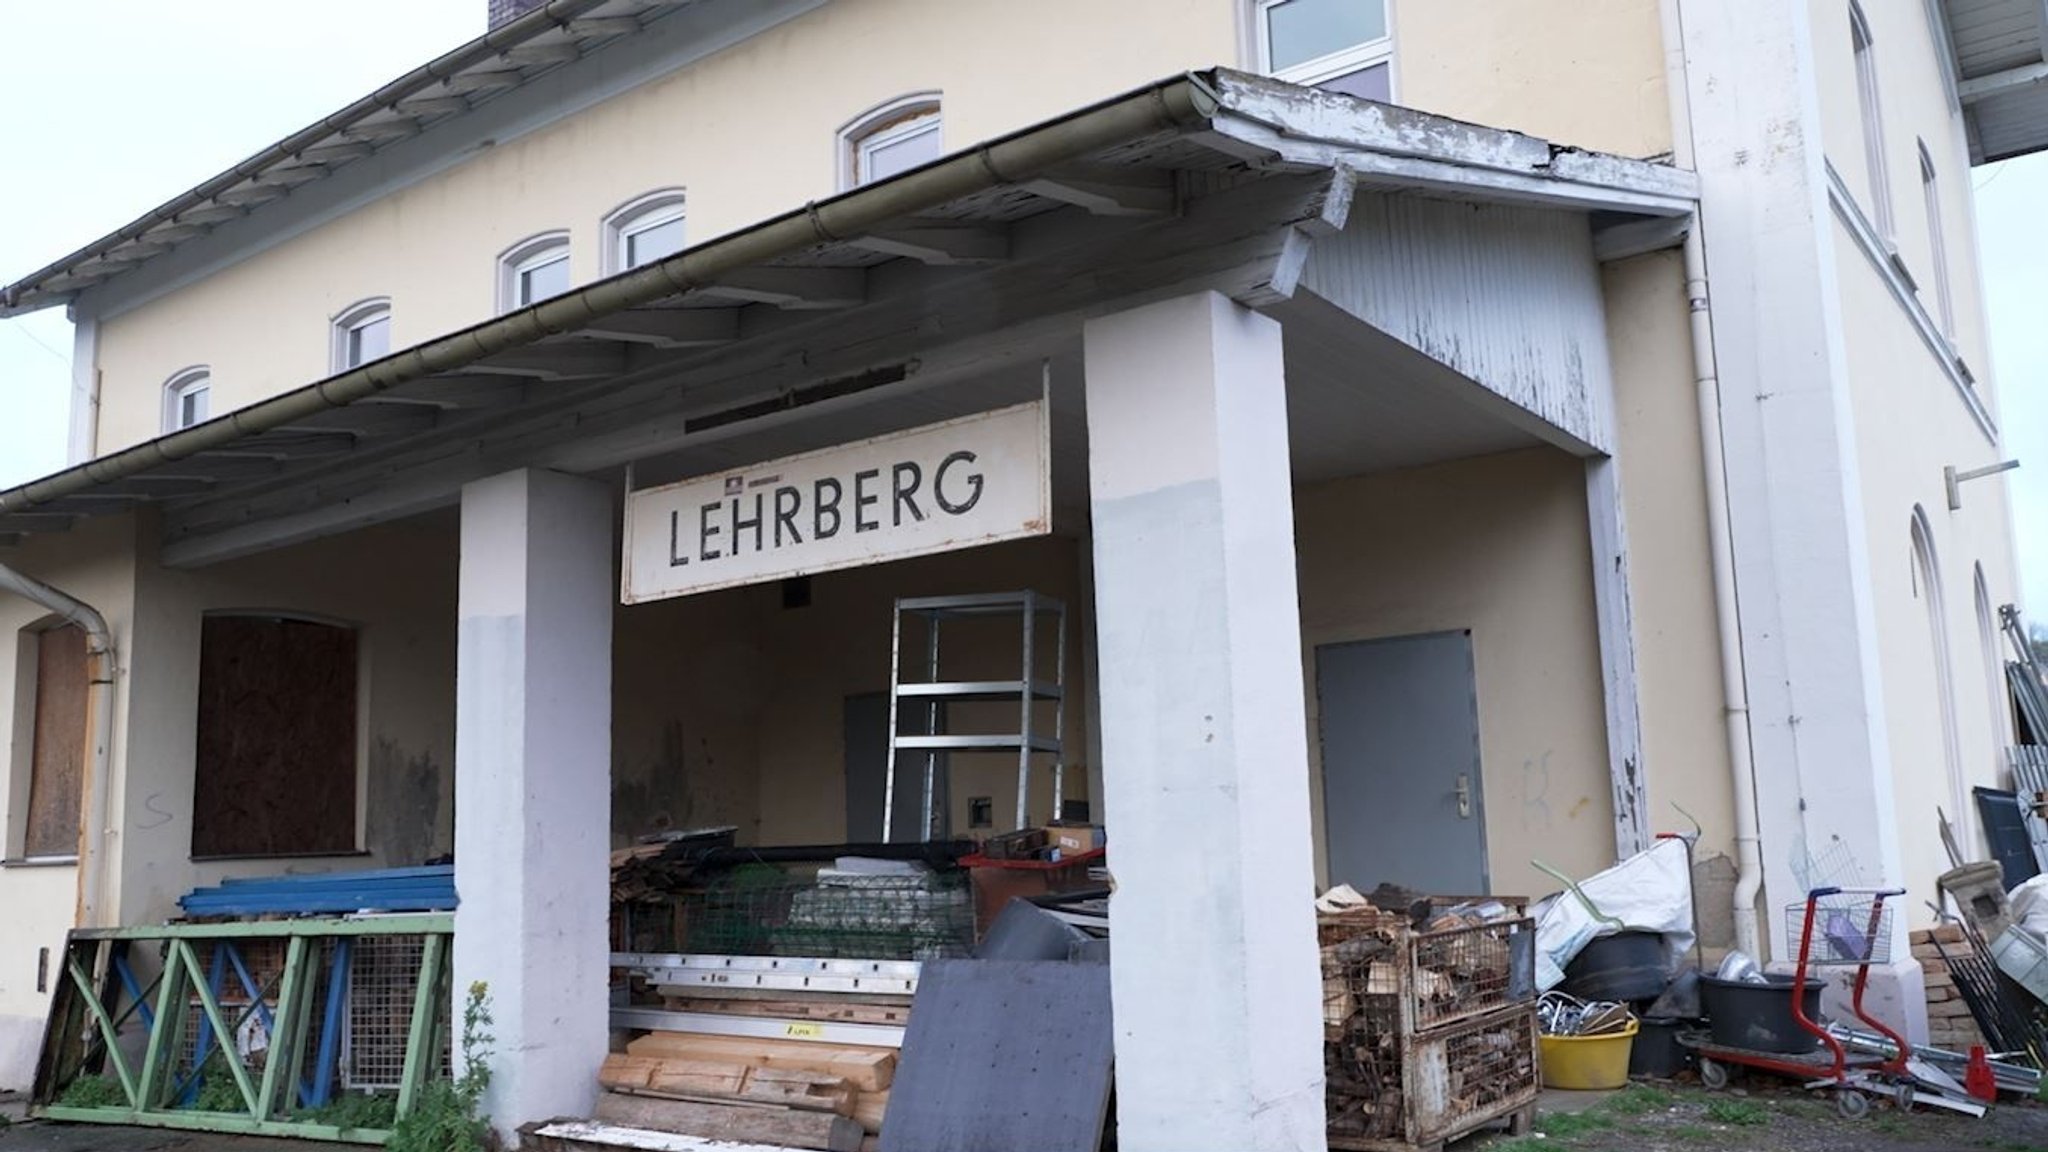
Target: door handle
point(1464, 796)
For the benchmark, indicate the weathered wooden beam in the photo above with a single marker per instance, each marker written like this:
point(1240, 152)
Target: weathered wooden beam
point(554, 361)
point(460, 392)
point(940, 246)
point(340, 152)
point(215, 213)
point(250, 195)
point(34, 522)
point(591, 27)
point(793, 287)
point(560, 52)
point(670, 327)
point(283, 445)
point(1107, 191)
point(397, 128)
point(433, 106)
point(484, 81)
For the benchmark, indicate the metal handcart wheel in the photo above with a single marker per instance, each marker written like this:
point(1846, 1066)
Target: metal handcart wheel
point(1713, 1074)
point(1852, 1104)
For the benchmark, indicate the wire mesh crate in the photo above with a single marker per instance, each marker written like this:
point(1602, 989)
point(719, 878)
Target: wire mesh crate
point(1390, 1091)
point(1848, 928)
point(762, 910)
point(1428, 1033)
point(1463, 962)
point(383, 979)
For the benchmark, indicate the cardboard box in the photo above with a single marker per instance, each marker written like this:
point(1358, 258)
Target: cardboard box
point(1073, 839)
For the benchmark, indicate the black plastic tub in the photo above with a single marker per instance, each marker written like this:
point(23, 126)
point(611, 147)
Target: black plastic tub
point(1759, 1017)
point(1624, 966)
point(1657, 1054)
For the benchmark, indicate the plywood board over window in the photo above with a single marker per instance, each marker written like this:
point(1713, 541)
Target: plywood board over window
point(57, 762)
point(276, 767)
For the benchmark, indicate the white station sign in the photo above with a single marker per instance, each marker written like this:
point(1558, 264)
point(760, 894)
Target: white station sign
point(963, 483)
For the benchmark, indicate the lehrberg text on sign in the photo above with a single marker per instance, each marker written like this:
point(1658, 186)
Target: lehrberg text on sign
point(962, 483)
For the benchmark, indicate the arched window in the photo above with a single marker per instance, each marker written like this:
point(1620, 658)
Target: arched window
point(362, 333)
point(1862, 43)
point(1927, 586)
point(644, 230)
point(187, 398)
point(891, 138)
point(533, 270)
point(1994, 671)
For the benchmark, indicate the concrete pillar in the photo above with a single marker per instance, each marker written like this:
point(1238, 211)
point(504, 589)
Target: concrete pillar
point(1214, 975)
point(533, 784)
point(1809, 628)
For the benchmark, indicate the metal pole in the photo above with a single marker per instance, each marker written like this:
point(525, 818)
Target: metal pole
point(1059, 719)
point(895, 684)
point(931, 723)
point(1024, 745)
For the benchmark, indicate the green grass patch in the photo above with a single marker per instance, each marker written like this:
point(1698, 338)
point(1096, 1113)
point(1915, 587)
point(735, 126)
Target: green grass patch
point(354, 1110)
point(1740, 1113)
point(1638, 1100)
point(93, 1092)
point(1565, 1125)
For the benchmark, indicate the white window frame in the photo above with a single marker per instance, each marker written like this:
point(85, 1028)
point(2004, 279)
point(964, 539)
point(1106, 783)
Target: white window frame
point(651, 210)
point(345, 323)
point(1937, 242)
point(183, 383)
point(1324, 69)
point(530, 253)
point(887, 123)
point(1864, 45)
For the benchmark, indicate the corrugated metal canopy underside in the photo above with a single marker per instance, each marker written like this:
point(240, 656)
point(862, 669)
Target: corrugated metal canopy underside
point(2001, 73)
point(964, 285)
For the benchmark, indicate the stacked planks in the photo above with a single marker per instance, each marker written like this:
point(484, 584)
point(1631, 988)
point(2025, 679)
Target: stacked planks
point(794, 1093)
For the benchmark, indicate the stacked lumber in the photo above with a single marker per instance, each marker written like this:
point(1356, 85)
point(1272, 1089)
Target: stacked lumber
point(791, 1093)
point(1949, 1023)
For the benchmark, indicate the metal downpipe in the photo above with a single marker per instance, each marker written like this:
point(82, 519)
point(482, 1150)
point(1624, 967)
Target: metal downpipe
point(1749, 875)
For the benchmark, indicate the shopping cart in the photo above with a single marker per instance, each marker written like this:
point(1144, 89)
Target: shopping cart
point(1837, 927)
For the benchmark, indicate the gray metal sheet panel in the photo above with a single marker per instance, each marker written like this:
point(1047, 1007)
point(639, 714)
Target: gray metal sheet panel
point(1001, 1056)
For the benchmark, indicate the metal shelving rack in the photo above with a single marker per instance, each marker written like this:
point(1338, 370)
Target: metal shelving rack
point(1031, 688)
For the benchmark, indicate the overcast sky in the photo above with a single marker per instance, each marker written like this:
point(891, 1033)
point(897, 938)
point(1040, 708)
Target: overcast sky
point(114, 106)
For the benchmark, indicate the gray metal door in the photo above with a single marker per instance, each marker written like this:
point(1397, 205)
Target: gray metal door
point(1400, 738)
point(866, 732)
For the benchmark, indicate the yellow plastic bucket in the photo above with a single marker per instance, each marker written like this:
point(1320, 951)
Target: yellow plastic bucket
point(1588, 1062)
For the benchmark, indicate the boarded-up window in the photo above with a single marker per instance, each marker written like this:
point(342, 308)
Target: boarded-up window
point(57, 759)
point(276, 771)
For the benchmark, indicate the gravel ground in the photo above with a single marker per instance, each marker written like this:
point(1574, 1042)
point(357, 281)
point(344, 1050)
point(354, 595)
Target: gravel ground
point(1768, 1116)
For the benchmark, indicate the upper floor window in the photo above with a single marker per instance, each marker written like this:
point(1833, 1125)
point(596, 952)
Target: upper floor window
point(1937, 241)
point(186, 398)
point(646, 229)
point(895, 137)
point(1342, 45)
point(362, 334)
point(533, 270)
point(1873, 121)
